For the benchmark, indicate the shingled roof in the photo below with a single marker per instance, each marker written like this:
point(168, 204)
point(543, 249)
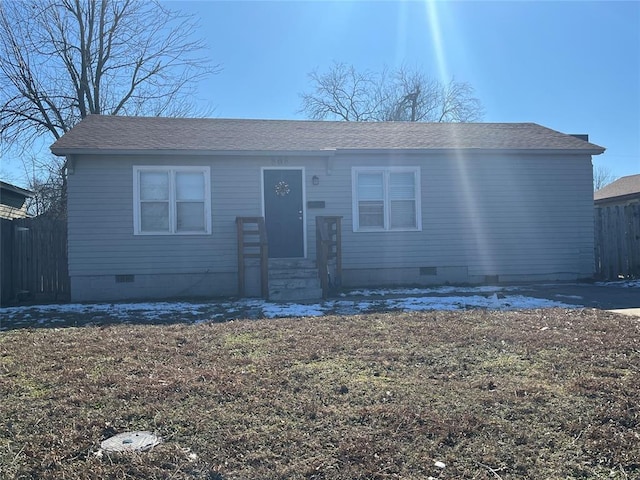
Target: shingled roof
point(112, 134)
point(623, 188)
point(12, 201)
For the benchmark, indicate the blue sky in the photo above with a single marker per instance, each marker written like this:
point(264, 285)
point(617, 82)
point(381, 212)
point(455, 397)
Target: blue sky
point(571, 66)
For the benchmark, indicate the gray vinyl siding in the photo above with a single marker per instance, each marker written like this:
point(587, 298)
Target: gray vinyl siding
point(101, 235)
point(516, 215)
point(498, 215)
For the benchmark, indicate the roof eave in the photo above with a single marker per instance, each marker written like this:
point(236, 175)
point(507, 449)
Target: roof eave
point(479, 151)
point(192, 152)
point(324, 152)
point(21, 191)
point(617, 198)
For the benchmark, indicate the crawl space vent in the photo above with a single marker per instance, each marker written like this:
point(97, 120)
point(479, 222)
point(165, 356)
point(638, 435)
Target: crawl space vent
point(125, 278)
point(429, 271)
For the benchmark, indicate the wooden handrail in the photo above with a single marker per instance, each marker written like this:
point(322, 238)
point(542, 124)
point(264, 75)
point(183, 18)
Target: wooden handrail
point(252, 243)
point(329, 247)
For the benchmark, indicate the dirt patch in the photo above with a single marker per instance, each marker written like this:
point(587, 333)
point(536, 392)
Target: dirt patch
point(530, 394)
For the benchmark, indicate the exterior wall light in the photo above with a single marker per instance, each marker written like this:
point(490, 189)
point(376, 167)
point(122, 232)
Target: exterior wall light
point(315, 180)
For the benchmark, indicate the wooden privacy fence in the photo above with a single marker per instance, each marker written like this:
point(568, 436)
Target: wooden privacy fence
point(617, 241)
point(33, 255)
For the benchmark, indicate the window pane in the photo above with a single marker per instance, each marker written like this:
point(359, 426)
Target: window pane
point(403, 214)
point(370, 186)
point(154, 217)
point(190, 216)
point(189, 186)
point(371, 214)
point(402, 186)
point(154, 186)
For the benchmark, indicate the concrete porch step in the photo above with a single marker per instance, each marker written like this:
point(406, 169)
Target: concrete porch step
point(294, 282)
point(293, 279)
point(288, 273)
point(290, 263)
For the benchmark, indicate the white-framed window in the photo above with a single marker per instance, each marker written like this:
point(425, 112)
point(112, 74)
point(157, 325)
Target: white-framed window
point(171, 200)
point(386, 198)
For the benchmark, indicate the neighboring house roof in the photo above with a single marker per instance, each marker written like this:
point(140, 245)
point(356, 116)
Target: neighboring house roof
point(114, 134)
point(625, 188)
point(12, 201)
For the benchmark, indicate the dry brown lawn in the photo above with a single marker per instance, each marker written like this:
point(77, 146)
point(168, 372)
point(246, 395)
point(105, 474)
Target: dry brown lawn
point(493, 395)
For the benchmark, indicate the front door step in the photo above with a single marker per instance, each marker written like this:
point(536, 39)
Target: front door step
point(293, 280)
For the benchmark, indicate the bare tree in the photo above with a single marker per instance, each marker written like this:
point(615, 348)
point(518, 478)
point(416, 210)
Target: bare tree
point(65, 59)
point(48, 185)
point(411, 96)
point(602, 176)
point(343, 93)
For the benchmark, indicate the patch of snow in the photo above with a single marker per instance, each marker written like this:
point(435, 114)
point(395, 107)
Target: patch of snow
point(515, 302)
point(396, 300)
point(520, 302)
point(274, 310)
point(161, 307)
point(571, 297)
point(444, 290)
point(346, 307)
point(620, 284)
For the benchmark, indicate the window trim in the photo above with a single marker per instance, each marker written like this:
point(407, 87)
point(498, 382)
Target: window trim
point(385, 171)
point(171, 170)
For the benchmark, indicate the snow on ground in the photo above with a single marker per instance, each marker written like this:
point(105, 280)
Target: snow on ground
point(570, 297)
point(512, 302)
point(444, 290)
point(623, 284)
point(353, 302)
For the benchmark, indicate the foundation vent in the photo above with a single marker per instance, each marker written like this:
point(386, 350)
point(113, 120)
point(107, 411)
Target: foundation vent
point(125, 278)
point(431, 271)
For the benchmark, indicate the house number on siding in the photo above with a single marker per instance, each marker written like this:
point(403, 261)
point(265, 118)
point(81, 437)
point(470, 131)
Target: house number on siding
point(279, 161)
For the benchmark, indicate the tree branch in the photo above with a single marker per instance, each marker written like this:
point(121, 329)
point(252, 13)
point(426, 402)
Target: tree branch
point(344, 93)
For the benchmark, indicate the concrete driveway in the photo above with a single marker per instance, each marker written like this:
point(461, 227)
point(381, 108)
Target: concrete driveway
point(621, 297)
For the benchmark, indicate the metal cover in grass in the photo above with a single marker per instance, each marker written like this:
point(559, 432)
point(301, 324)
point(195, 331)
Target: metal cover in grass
point(130, 442)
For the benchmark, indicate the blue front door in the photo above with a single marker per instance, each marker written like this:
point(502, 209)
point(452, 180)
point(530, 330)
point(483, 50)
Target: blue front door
point(283, 211)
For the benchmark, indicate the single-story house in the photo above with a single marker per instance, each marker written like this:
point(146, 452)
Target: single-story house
point(13, 201)
point(624, 191)
point(179, 207)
